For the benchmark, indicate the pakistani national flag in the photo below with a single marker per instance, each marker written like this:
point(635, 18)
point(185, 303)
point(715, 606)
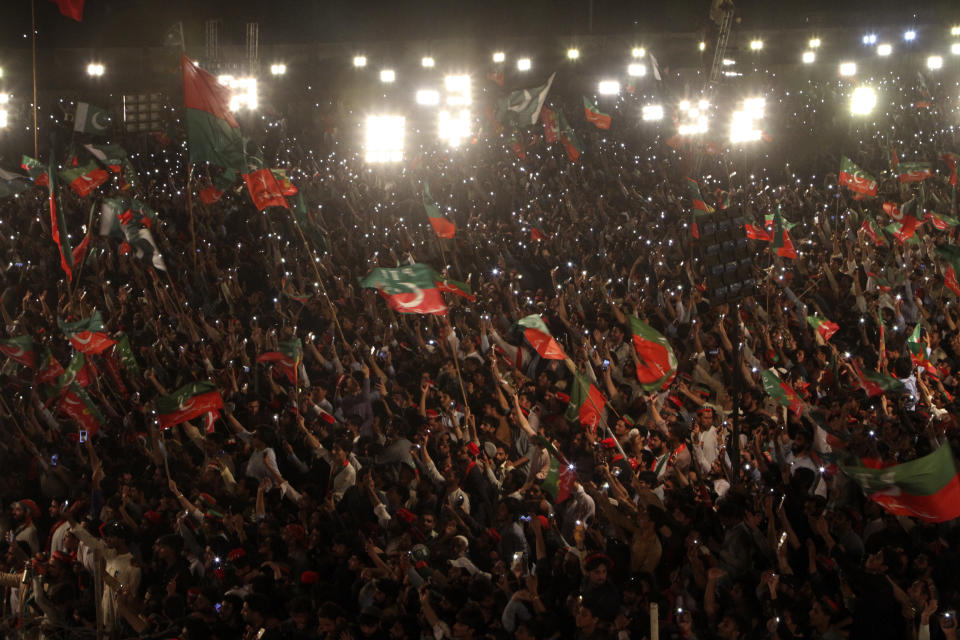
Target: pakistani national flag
point(538, 335)
point(288, 358)
point(264, 189)
point(569, 139)
point(824, 328)
point(213, 134)
point(76, 403)
point(84, 178)
point(91, 119)
point(781, 391)
point(656, 362)
point(551, 131)
point(856, 179)
point(408, 289)
point(950, 254)
point(37, 171)
point(188, 402)
point(88, 335)
point(914, 171)
point(441, 226)
point(19, 349)
point(12, 184)
point(926, 488)
point(522, 107)
point(593, 115)
point(586, 402)
point(140, 242)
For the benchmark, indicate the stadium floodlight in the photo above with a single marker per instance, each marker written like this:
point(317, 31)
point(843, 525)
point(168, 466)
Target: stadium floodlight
point(863, 100)
point(684, 105)
point(384, 139)
point(884, 50)
point(955, 30)
point(278, 69)
point(359, 61)
point(814, 43)
point(910, 35)
point(428, 97)
point(848, 69)
point(703, 46)
point(638, 52)
point(809, 57)
point(499, 57)
point(756, 45)
point(454, 128)
point(608, 87)
point(4, 98)
point(387, 75)
point(428, 62)
point(243, 92)
point(955, 48)
point(458, 90)
point(523, 64)
point(652, 112)
point(934, 63)
point(636, 70)
point(95, 69)
point(1, 72)
point(870, 38)
point(4, 118)
point(573, 53)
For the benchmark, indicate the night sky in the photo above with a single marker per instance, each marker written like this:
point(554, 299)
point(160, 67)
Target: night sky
point(144, 22)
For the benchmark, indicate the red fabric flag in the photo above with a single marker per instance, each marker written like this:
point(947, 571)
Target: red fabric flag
point(210, 195)
point(72, 9)
point(264, 190)
point(756, 233)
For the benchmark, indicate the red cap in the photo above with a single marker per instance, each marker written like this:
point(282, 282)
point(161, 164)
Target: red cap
point(326, 417)
point(473, 448)
point(608, 443)
point(405, 515)
point(564, 397)
point(309, 577)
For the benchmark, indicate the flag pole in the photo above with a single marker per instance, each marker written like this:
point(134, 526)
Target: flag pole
point(33, 38)
point(456, 364)
point(193, 233)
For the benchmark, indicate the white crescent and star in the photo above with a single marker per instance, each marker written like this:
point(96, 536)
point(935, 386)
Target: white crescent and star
point(97, 120)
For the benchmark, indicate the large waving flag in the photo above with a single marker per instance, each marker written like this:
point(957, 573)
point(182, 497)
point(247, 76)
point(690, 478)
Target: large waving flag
point(522, 107)
point(586, 402)
point(657, 364)
point(856, 179)
point(441, 225)
point(593, 115)
point(781, 391)
point(408, 289)
point(88, 335)
point(213, 134)
point(188, 402)
point(538, 335)
point(20, 349)
point(287, 358)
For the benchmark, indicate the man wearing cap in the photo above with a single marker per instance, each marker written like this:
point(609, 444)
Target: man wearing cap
point(24, 512)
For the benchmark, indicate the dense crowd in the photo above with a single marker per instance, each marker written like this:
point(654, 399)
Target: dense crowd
point(407, 485)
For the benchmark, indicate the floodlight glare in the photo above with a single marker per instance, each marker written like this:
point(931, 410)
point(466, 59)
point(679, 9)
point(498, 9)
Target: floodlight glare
point(756, 45)
point(863, 100)
point(458, 90)
point(870, 38)
point(278, 69)
point(684, 105)
point(955, 48)
point(384, 139)
point(3, 118)
point(955, 30)
point(4, 98)
point(95, 69)
point(809, 57)
point(454, 127)
point(814, 43)
point(523, 64)
point(703, 45)
point(910, 35)
point(427, 62)
point(883, 50)
point(934, 63)
point(573, 54)
point(638, 52)
point(387, 75)
point(848, 69)
point(428, 97)
point(652, 112)
point(499, 56)
point(636, 70)
point(243, 92)
point(703, 105)
point(608, 87)
point(360, 61)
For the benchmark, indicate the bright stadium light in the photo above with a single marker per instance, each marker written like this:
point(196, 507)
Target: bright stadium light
point(454, 127)
point(278, 69)
point(848, 69)
point(884, 50)
point(955, 48)
point(638, 52)
point(934, 63)
point(863, 100)
point(4, 118)
point(573, 54)
point(742, 127)
point(684, 105)
point(387, 75)
point(359, 61)
point(608, 87)
point(955, 30)
point(428, 97)
point(499, 57)
point(384, 140)
point(95, 69)
point(814, 43)
point(756, 45)
point(652, 112)
point(636, 70)
point(703, 46)
point(910, 35)
point(458, 90)
point(809, 57)
point(427, 62)
point(523, 64)
point(870, 38)
point(243, 92)
point(1, 72)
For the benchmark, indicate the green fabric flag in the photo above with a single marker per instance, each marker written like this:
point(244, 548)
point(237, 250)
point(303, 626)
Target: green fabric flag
point(441, 225)
point(125, 354)
point(856, 179)
point(213, 134)
point(586, 402)
point(188, 402)
point(20, 349)
point(91, 119)
point(37, 171)
point(288, 358)
point(569, 139)
point(522, 107)
point(781, 391)
point(408, 289)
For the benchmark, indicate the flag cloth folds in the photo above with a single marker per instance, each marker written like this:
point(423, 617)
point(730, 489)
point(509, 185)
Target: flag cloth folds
point(918, 352)
point(823, 327)
point(87, 335)
point(939, 221)
point(456, 287)
point(569, 139)
point(561, 477)
point(49, 369)
point(781, 239)
point(656, 362)
point(124, 352)
point(188, 402)
point(586, 402)
point(441, 226)
point(288, 358)
point(951, 255)
point(91, 119)
point(85, 178)
point(58, 225)
point(539, 337)
point(213, 134)
point(522, 107)
point(210, 195)
point(19, 349)
point(38, 173)
point(551, 131)
point(876, 383)
point(408, 289)
point(926, 488)
point(856, 179)
point(756, 233)
point(72, 9)
point(77, 404)
point(264, 190)
point(781, 391)
point(287, 188)
point(698, 204)
point(873, 230)
point(593, 115)
point(914, 171)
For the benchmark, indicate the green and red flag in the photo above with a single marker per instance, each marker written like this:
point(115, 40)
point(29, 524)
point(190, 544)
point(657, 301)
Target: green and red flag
point(656, 361)
point(551, 130)
point(876, 383)
point(264, 189)
point(914, 171)
point(538, 335)
point(770, 218)
point(927, 488)
point(521, 107)
point(210, 195)
point(76, 403)
point(188, 402)
point(456, 287)
point(84, 178)
point(780, 391)
point(873, 230)
point(287, 188)
point(904, 230)
point(408, 289)
point(536, 235)
point(823, 327)
point(72, 9)
point(288, 358)
point(951, 160)
point(213, 134)
point(918, 352)
point(58, 225)
point(950, 254)
point(756, 233)
point(939, 221)
point(781, 239)
point(87, 335)
point(856, 179)
point(38, 173)
point(78, 371)
point(124, 352)
point(50, 368)
point(441, 226)
point(593, 115)
point(115, 158)
point(20, 349)
point(569, 139)
point(893, 158)
point(586, 402)
point(561, 477)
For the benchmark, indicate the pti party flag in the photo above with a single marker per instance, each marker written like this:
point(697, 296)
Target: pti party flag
point(756, 233)
point(893, 158)
point(408, 289)
point(781, 239)
point(551, 131)
point(939, 221)
point(918, 352)
point(904, 230)
point(856, 179)
point(49, 369)
point(823, 327)
point(111, 156)
point(441, 226)
point(38, 173)
point(77, 404)
point(188, 402)
point(288, 358)
point(781, 391)
point(19, 349)
point(569, 138)
point(264, 190)
point(286, 187)
point(538, 335)
point(656, 362)
point(213, 134)
point(84, 178)
point(91, 119)
point(698, 204)
point(951, 160)
point(78, 371)
point(124, 352)
point(586, 402)
point(876, 383)
point(926, 488)
point(522, 107)
point(951, 255)
point(593, 115)
point(12, 184)
point(210, 195)
point(914, 171)
point(873, 230)
point(58, 225)
point(456, 287)
point(770, 218)
point(72, 9)
point(87, 335)
point(111, 209)
point(561, 477)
